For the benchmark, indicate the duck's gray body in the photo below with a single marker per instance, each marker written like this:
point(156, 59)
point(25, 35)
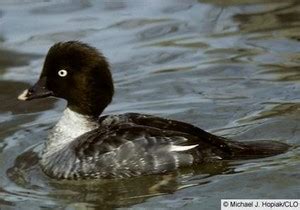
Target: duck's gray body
point(114, 146)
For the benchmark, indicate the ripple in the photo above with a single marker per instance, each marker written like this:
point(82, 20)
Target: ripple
point(162, 30)
point(283, 72)
point(137, 23)
point(62, 7)
point(275, 110)
point(115, 5)
point(186, 42)
point(234, 55)
point(62, 35)
point(174, 69)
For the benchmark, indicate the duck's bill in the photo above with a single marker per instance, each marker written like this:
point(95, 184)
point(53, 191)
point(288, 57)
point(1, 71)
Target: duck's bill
point(38, 90)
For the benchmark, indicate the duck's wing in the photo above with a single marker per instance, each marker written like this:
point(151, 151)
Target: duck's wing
point(128, 149)
point(230, 149)
point(171, 125)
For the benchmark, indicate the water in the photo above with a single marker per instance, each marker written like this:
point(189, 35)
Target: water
point(228, 66)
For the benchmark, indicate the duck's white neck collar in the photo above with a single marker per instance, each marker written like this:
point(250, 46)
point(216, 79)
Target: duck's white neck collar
point(70, 126)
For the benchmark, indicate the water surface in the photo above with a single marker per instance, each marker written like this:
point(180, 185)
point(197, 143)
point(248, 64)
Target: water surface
point(227, 66)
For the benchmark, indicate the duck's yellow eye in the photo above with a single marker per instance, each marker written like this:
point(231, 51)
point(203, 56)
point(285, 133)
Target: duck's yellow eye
point(62, 73)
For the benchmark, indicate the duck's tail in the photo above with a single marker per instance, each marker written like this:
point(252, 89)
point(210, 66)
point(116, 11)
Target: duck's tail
point(256, 149)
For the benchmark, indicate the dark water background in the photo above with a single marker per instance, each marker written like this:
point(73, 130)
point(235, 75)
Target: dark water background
point(229, 66)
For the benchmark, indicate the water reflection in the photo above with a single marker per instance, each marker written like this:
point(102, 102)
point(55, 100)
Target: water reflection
point(9, 58)
point(245, 2)
point(279, 18)
point(108, 193)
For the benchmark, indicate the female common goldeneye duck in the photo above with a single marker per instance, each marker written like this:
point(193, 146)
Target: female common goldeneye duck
point(81, 145)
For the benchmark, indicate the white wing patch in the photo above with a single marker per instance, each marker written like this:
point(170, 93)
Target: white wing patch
point(176, 148)
point(23, 95)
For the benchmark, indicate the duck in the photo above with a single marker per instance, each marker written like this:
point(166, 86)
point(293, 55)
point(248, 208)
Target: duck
point(84, 144)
